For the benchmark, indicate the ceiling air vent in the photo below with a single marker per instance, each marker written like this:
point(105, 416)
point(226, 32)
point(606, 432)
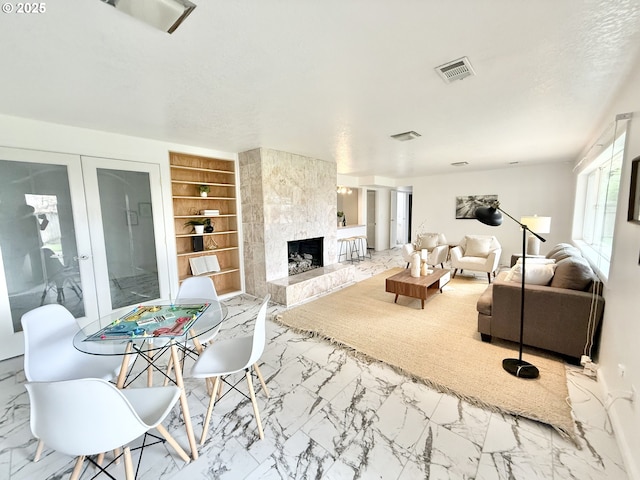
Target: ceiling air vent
point(403, 137)
point(456, 70)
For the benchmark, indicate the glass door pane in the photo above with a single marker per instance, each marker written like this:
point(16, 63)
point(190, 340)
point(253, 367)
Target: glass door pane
point(127, 232)
point(41, 205)
point(125, 203)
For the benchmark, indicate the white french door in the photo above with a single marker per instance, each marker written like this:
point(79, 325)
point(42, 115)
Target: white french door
point(86, 233)
point(127, 232)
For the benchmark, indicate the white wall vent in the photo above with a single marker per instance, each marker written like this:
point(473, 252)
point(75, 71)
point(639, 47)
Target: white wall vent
point(455, 70)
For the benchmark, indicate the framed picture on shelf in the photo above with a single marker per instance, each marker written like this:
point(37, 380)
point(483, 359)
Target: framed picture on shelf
point(466, 205)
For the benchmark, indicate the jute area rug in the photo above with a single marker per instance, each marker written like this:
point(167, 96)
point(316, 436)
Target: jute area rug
point(439, 346)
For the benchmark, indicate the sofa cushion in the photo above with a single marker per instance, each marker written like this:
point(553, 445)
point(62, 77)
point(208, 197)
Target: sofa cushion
point(573, 272)
point(536, 274)
point(427, 241)
point(477, 247)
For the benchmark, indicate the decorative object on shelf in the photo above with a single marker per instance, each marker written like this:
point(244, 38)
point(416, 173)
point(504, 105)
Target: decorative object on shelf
point(204, 264)
point(204, 190)
point(491, 215)
point(466, 206)
point(341, 221)
point(539, 225)
point(198, 243)
point(209, 226)
point(198, 225)
point(211, 244)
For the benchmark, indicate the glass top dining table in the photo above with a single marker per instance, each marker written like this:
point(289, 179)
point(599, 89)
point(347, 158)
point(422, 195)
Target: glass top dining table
point(88, 339)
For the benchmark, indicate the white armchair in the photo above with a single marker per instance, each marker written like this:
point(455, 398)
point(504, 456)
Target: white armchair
point(432, 247)
point(477, 252)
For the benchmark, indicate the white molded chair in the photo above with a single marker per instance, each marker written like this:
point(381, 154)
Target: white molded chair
point(234, 355)
point(49, 354)
point(478, 253)
point(197, 288)
point(90, 416)
point(200, 288)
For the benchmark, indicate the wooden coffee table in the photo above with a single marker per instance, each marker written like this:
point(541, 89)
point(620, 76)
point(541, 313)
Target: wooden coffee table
point(417, 287)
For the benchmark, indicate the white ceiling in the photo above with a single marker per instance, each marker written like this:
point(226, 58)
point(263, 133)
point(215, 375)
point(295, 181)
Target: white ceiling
point(332, 79)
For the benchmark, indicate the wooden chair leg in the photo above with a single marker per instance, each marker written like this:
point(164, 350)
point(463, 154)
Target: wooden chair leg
point(100, 459)
point(39, 449)
point(255, 404)
point(264, 386)
point(78, 468)
point(171, 441)
point(116, 455)
point(168, 372)
point(128, 464)
point(207, 419)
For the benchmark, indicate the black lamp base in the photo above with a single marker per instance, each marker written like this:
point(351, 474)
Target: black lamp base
point(520, 368)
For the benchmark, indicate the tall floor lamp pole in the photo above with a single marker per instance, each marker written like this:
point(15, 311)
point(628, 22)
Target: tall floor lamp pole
point(491, 215)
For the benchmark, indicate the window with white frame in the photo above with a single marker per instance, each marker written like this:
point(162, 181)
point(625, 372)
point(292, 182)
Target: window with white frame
point(597, 200)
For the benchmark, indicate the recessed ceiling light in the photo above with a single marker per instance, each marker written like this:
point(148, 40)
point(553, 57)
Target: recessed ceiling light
point(459, 164)
point(403, 137)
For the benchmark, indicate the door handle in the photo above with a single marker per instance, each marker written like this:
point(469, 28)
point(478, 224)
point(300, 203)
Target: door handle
point(81, 257)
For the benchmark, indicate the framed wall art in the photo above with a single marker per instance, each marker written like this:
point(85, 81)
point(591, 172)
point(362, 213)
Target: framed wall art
point(466, 205)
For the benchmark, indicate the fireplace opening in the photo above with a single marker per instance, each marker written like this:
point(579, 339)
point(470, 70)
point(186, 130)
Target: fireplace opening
point(305, 255)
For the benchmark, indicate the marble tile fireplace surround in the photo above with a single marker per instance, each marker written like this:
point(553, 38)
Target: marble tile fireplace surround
point(287, 197)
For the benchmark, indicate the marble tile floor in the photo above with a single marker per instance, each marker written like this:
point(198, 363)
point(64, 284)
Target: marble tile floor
point(332, 416)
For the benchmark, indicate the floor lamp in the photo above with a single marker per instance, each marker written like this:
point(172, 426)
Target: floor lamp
point(491, 215)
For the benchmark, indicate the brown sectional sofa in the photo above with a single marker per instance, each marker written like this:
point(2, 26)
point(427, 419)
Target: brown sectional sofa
point(557, 315)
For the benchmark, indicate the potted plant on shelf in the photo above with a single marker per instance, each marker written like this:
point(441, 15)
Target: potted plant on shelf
point(204, 189)
point(198, 225)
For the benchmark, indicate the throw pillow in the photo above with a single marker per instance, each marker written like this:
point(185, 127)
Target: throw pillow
point(557, 248)
point(573, 272)
point(536, 274)
point(565, 253)
point(428, 241)
point(477, 247)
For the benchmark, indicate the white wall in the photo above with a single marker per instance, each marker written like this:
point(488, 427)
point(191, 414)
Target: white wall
point(542, 189)
point(621, 323)
point(35, 135)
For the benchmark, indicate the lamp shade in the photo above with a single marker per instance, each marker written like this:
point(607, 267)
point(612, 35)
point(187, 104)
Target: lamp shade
point(489, 216)
point(537, 224)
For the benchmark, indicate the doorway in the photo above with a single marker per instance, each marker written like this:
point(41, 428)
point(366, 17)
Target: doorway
point(371, 218)
point(68, 224)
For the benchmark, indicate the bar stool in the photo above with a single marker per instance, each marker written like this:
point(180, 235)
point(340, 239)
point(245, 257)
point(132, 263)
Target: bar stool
point(349, 246)
point(362, 247)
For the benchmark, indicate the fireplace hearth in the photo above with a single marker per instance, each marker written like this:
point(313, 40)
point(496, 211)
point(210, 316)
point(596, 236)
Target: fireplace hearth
point(305, 255)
